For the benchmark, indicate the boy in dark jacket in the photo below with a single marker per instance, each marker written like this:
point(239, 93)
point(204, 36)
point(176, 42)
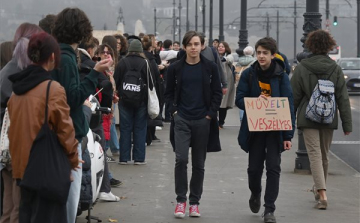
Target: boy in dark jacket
point(194, 89)
point(265, 78)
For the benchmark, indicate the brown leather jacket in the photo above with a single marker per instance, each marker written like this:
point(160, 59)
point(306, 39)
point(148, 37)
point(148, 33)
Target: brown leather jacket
point(26, 118)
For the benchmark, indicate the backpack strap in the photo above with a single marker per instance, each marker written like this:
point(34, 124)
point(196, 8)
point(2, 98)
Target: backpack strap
point(137, 68)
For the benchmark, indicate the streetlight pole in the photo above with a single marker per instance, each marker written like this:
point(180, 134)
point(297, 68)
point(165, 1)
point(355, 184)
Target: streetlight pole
point(312, 22)
point(187, 15)
point(174, 20)
point(211, 23)
point(203, 14)
point(267, 25)
point(295, 27)
point(180, 7)
point(221, 20)
point(327, 12)
point(155, 21)
point(277, 29)
point(358, 28)
point(196, 15)
point(243, 32)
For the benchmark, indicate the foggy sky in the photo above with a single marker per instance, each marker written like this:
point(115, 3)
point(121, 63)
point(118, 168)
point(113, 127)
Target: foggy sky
point(101, 12)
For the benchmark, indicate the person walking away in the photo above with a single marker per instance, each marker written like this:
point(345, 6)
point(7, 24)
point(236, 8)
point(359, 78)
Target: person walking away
point(19, 61)
point(29, 99)
point(318, 66)
point(133, 103)
point(70, 28)
point(265, 78)
point(194, 90)
point(228, 100)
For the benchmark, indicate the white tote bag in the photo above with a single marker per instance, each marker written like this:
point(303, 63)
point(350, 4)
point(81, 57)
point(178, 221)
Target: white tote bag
point(5, 158)
point(153, 101)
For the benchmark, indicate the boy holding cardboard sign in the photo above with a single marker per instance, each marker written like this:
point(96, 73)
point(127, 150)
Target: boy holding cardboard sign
point(264, 79)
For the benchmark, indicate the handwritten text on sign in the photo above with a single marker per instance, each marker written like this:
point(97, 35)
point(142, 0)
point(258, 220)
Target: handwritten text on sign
point(272, 114)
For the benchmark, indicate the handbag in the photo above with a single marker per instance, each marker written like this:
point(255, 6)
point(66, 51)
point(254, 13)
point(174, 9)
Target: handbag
point(153, 101)
point(48, 169)
point(5, 158)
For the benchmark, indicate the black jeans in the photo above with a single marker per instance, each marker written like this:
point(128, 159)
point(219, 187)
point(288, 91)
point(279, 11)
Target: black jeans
point(35, 209)
point(222, 116)
point(196, 134)
point(265, 147)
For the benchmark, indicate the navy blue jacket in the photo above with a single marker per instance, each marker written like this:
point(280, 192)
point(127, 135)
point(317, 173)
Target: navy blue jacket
point(280, 87)
point(211, 91)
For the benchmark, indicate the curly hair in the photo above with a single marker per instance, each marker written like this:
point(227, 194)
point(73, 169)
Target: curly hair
point(320, 42)
point(47, 23)
point(123, 43)
point(72, 26)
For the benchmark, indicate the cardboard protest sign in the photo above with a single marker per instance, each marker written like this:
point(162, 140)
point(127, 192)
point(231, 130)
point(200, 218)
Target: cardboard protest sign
point(271, 114)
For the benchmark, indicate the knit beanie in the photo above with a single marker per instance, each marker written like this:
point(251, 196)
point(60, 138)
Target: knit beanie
point(135, 46)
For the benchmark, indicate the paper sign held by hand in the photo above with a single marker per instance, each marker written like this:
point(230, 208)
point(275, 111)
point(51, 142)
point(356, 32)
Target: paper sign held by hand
point(271, 114)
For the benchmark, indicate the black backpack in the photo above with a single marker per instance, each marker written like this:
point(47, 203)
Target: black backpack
point(133, 88)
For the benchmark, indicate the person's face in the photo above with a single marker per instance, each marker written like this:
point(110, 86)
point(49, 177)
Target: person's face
point(215, 44)
point(264, 57)
point(193, 48)
point(176, 47)
point(118, 45)
point(221, 49)
point(105, 53)
point(92, 51)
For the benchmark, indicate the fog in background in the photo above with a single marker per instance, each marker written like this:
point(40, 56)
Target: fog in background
point(104, 14)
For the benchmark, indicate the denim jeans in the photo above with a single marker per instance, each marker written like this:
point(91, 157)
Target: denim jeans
point(265, 147)
point(133, 122)
point(196, 133)
point(74, 193)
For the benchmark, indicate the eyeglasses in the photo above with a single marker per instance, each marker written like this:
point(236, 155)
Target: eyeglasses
point(105, 52)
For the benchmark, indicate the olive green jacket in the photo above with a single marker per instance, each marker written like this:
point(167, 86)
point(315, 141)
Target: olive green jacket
point(303, 83)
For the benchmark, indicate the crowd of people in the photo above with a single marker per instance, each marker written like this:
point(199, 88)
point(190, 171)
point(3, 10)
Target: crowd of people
point(48, 71)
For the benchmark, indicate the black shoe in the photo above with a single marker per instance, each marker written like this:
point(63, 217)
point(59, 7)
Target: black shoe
point(156, 139)
point(114, 182)
point(255, 203)
point(269, 217)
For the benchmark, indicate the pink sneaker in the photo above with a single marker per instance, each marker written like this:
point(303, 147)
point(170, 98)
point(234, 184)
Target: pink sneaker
point(194, 210)
point(180, 210)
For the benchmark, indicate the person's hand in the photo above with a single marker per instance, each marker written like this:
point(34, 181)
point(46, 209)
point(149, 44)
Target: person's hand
point(224, 90)
point(347, 133)
point(161, 66)
point(287, 145)
point(115, 99)
point(103, 65)
point(87, 103)
point(208, 117)
point(79, 167)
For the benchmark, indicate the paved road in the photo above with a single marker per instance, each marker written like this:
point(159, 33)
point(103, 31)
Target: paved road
point(347, 148)
point(148, 191)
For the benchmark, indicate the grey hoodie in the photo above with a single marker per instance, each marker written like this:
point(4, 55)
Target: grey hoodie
point(246, 61)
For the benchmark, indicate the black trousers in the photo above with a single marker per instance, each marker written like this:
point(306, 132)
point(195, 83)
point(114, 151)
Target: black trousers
point(265, 147)
point(105, 185)
point(222, 115)
point(196, 134)
point(34, 209)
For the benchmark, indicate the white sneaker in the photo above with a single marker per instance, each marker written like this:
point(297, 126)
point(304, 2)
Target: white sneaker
point(158, 128)
point(108, 197)
point(140, 163)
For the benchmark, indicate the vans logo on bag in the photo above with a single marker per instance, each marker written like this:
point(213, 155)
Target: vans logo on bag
point(131, 87)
